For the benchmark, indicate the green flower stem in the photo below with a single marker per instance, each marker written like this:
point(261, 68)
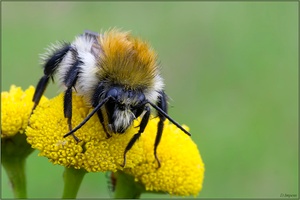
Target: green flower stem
point(15, 170)
point(126, 187)
point(72, 179)
point(14, 151)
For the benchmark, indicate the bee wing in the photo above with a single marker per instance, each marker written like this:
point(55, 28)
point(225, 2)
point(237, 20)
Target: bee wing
point(96, 49)
point(91, 33)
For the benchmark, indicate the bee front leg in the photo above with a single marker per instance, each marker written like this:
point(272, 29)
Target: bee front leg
point(95, 101)
point(136, 136)
point(162, 104)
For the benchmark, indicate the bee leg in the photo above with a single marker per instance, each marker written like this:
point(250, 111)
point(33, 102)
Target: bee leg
point(101, 119)
point(68, 109)
point(143, 125)
point(39, 91)
point(70, 81)
point(89, 116)
point(49, 70)
point(162, 103)
point(95, 101)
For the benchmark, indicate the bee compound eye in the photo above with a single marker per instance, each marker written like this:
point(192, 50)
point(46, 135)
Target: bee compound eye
point(113, 93)
point(141, 97)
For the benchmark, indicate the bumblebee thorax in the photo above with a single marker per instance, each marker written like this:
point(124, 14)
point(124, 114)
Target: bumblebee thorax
point(126, 60)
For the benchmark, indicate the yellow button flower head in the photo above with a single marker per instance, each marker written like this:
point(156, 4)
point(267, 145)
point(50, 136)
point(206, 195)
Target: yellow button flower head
point(94, 152)
point(181, 171)
point(16, 107)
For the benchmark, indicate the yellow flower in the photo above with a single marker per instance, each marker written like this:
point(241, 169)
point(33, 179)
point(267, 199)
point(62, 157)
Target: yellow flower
point(94, 152)
point(16, 107)
point(181, 171)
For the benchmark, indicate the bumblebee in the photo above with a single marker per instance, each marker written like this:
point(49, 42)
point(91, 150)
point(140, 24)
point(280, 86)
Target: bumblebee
point(117, 74)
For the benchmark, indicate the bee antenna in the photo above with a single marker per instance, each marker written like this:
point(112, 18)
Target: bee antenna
point(88, 117)
point(168, 117)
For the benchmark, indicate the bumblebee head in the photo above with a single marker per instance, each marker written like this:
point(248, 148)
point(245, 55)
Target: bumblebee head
point(123, 107)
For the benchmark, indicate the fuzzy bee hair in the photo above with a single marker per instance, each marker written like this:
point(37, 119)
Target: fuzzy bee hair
point(116, 73)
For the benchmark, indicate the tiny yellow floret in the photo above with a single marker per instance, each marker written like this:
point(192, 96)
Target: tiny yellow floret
point(16, 106)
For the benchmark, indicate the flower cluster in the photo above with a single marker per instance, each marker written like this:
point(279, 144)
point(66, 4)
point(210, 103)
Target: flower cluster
point(181, 171)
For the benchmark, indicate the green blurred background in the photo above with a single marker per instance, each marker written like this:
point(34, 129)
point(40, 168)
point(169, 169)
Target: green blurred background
point(231, 70)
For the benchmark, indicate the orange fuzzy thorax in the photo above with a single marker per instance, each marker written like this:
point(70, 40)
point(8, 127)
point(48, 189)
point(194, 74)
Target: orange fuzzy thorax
point(126, 60)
